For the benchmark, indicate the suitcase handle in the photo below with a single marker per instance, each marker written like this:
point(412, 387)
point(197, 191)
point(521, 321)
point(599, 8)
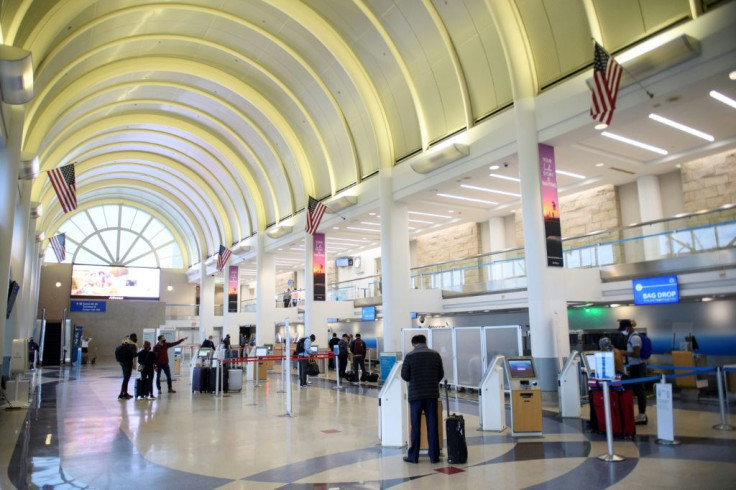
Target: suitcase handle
point(447, 399)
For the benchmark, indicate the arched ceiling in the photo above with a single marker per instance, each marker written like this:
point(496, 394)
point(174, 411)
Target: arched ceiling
point(224, 116)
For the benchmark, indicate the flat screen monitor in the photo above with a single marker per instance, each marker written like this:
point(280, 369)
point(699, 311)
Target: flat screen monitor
point(656, 290)
point(368, 313)
point(521, 368)
point(98, 281)
point(204, 352)
point(313, 348)
point(261, 351)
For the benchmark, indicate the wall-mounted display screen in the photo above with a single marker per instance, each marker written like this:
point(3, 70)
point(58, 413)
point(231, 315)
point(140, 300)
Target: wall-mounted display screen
point(344, 262)
point(521, 368)
point(656, 290)
point(99, 281)
point(368, 313)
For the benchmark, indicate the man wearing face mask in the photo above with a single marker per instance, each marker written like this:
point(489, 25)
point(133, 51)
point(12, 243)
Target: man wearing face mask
point(637, 365)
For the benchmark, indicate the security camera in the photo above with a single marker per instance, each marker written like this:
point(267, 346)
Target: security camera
point(506, 164)
point(421, 319)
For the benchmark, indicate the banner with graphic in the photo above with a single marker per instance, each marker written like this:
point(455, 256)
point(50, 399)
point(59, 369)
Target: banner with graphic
point(232, 289)
point(550, 205)
point(318, 266)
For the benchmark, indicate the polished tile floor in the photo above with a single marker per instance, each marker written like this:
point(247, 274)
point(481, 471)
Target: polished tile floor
point(78, 435)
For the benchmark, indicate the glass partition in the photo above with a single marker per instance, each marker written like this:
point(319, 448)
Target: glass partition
point(468, 357)
point(442, 343)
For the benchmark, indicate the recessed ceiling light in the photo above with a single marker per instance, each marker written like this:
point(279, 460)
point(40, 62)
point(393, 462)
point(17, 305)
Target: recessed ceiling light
point(370, 223)
point(706, 299)
point(421, 221)
point(570, 174)
point(629, 141)
point(732, 75)
point(431, 215)
point(485, 189)
point(335, 227)
point(463, 198)
point(362, 229)
point(601, 126)
point(505, 177)
point(451, 211)
point(681, 127)
point(371, 214)
point(494, 167)
point(600, 164)
point(723, 98)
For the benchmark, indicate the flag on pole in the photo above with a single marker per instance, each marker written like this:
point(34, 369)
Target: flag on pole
point(606, 78)
point(222, 255)
point(58, 244)
point(64, 182)
point(315, 211)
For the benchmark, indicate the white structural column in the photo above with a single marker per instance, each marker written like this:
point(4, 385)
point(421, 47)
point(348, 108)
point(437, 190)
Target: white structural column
point(650, 209)
point(308, 284)
point(497, 232)
point(265, 289)
point(22, 241)
point(206, 301)
point(9, 168)
point(395, 260)
point(547, 306)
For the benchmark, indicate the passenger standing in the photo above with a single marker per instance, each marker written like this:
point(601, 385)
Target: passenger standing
point(358, 349)
point(208, 343)
point(146, 363)
point(128, 350)
point(287, 298)
point(333, 342)
point(342, 356)
point(227, 346)
point(637, 366)
point(85, 349)
point(162, 360)
point(422, 369)
point(304, 359)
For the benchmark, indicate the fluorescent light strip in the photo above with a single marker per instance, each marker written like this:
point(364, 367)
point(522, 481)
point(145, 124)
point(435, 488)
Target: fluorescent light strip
point(362, 229)
point(462, 198)
point(485, 189)
point(348, 240)
point(421, 221)
point(570, 174)
point(723, 98)
point(681, 127)
point(431, 215)
point(631, 142)
point(370, 223)
point(505, 177)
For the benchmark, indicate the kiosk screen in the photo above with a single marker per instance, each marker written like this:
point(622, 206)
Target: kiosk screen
point(206, 352)
point(590, 361)
point(521, 368)
point(261, 351)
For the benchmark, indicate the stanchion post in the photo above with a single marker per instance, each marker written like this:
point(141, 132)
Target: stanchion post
point(665, 417)
point(609, 456)
point(724, 425)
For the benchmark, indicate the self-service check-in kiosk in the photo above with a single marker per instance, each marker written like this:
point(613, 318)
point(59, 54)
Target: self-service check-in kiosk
point(392, 415)
point(526, 397)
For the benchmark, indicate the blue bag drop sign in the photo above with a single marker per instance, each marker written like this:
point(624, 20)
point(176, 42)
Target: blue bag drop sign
point(656, 290)
point(88, 306)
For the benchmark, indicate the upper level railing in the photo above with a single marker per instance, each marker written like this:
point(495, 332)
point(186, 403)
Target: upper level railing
point(673, 237)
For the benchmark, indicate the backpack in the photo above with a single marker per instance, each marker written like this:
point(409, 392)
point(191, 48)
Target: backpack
point(120, 353)
point(359, 347)
point(300, 346)
point(646, 346)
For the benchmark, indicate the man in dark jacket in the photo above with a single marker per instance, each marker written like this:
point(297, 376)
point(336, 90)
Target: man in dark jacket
point(422, 369)
point(162, 360)
point(128, 353)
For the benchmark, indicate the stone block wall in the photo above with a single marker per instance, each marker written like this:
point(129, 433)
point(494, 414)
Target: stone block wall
point(451, 243)
point(709, 182)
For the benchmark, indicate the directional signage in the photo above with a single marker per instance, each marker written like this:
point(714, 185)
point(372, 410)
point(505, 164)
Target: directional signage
point(656, 290)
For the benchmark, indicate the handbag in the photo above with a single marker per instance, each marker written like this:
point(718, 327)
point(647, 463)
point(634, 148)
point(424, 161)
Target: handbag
point(312, 368)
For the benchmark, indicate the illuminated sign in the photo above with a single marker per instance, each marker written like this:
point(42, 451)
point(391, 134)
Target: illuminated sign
point(656, 290)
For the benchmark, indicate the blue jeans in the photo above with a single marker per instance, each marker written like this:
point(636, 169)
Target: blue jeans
point(429, 407)
point(167, 371)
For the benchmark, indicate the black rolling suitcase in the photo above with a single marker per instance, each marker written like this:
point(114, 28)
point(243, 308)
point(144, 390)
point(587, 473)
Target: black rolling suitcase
point(201, 379)
point(224, 381)
point(143, 388)
point(457, 448)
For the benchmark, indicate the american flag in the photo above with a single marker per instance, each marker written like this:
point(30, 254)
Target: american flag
point(64, 182)
point(222, 257)
point(58, 244)
point(606, 78)
point(315, 211)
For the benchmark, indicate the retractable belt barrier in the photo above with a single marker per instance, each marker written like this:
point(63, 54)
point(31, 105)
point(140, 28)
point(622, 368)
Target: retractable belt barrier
point(238, 360)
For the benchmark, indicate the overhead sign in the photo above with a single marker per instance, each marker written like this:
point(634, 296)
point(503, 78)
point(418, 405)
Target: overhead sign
point(368, 313)
point(88, 306)
point(656, 290)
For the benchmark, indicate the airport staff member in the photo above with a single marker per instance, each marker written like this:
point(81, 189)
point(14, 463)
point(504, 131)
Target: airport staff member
point(423, 370)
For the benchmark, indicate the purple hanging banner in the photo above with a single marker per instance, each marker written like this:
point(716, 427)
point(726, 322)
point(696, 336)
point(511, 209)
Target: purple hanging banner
point(550, 205)
point(232, 289)
point(318, 266)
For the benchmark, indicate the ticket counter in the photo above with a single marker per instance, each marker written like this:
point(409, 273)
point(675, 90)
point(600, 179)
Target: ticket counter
point(526, 397)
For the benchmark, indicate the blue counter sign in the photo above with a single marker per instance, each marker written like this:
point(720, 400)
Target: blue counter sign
point(656, 290)
point(88, 306)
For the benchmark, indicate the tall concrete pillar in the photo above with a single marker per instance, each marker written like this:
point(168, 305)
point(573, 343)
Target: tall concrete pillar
point(206, 302)
point(497, 232)
point(266, 315)
point(395, 260)
point(650, 209)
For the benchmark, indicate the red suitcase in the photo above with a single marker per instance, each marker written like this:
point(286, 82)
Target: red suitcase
point(622, 412)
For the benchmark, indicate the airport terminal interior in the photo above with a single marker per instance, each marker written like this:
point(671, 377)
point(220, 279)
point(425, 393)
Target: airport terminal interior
point(509, 178)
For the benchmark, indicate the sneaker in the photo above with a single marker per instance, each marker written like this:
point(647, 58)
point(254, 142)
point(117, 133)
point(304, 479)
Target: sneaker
point(303, 386)
point(151, 397)
point(641, 419)
point(121, 397)
point(159, 391)
point(171, 391)
point(128, 397)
